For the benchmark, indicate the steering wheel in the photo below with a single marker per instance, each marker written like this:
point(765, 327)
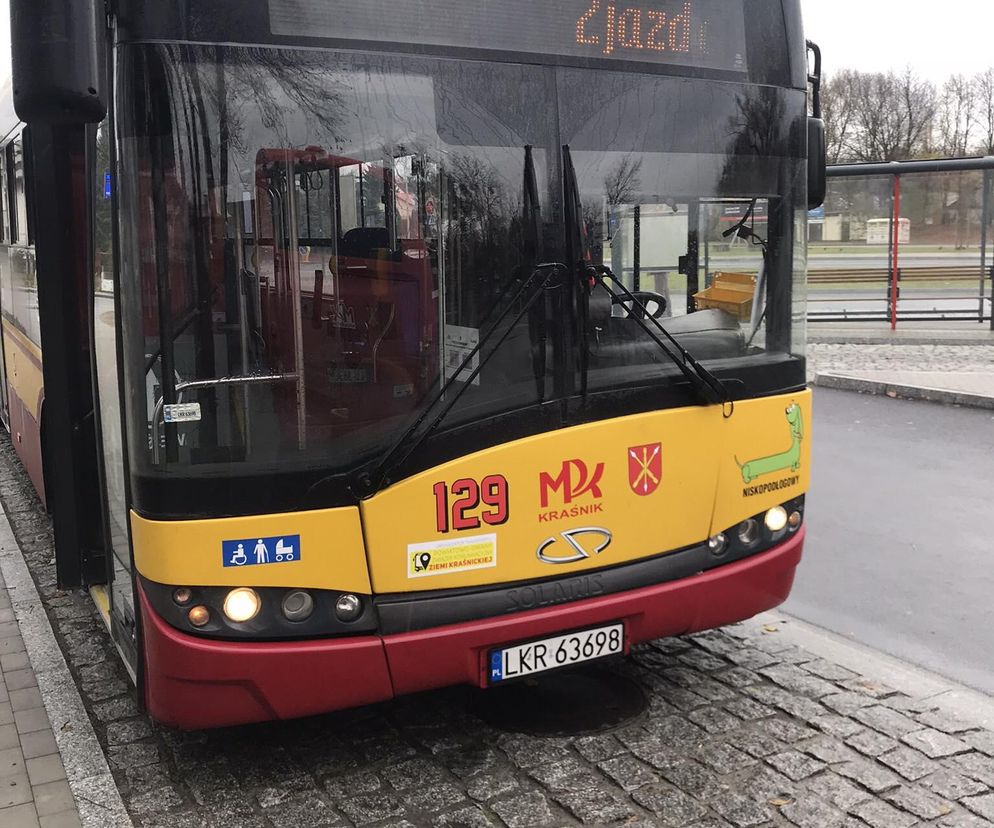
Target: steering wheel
point(655, 304)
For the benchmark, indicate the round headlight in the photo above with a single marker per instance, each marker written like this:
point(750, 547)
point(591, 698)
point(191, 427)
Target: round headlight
point(298, 605)
point(718, 544)
point(748, 532)
point(348, 607)
point(776, 519)
point(242, 604)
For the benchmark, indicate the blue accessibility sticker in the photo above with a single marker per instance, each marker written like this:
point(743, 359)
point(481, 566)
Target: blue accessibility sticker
point(261, 551)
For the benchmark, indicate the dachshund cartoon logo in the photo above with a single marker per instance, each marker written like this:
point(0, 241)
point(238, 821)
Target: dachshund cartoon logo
point(789, 459)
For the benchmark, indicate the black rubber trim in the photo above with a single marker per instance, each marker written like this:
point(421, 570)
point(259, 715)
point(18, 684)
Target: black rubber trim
point(402, 613)
point(269, 624)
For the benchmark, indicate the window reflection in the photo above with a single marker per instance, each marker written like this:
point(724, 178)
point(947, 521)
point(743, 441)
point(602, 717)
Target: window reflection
point(346, 250)
point(323, 240)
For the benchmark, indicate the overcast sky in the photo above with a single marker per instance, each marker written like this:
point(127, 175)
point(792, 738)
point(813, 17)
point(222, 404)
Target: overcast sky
point(937, 38)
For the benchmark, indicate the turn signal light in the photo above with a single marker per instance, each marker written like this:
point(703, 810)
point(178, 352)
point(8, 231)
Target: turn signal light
point(794, 521)
point(198, 616)
point(242, 604)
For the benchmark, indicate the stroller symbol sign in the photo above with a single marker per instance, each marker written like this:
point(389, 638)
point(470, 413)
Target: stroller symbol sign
point(261, 551)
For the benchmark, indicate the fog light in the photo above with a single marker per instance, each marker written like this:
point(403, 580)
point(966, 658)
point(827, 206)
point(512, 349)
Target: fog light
point(298, 606)
point(348, 607)
point(242, 604)
point(748, 532)
point(183, 596)
point(776, 519)
point(794, 521)
point(198, 616)
point(718, 544)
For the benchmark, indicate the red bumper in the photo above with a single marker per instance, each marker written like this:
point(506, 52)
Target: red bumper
point(193, 683)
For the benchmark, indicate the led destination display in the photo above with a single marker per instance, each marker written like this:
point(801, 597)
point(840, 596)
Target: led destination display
point(708, 34)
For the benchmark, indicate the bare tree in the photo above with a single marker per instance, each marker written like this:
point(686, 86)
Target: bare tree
point(956, 117)
point(882, 116)
point(620, 182)
point(838, 101)
point(984, 86)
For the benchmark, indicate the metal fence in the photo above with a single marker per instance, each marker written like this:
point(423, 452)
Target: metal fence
point(904, 241)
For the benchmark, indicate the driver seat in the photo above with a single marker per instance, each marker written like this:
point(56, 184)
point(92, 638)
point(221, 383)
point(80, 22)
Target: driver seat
point(708, 334)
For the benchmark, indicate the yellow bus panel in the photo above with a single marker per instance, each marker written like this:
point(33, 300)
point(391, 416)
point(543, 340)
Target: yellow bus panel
point(24, 372)
point(767, 459)
point(189, 552)
point(585, 498)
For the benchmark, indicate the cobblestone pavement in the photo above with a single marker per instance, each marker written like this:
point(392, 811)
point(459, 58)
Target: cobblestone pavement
point(741, 729)
point(888, 357)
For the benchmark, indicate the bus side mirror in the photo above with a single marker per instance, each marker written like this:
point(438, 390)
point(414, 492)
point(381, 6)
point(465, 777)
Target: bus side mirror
point(817, 162)
point(58, 61)
point(817, 147)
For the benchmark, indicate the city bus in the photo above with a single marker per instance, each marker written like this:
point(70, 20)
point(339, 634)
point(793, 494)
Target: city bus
point(430, 344)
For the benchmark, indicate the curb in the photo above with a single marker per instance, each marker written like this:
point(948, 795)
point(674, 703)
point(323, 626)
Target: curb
point(932, 338)
point(842, 382)
point(962, 703)
point(97, 798)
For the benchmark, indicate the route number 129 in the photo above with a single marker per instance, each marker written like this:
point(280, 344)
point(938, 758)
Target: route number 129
point(470, 503)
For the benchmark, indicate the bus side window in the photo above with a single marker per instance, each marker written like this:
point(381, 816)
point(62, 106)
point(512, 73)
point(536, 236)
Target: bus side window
point(4, 232)
point(11, 204)
point(28, 188)
point(348, 187)
point(20, 208)
point(315, 206)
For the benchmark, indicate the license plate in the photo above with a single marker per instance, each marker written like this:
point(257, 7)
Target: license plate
point(553, 653)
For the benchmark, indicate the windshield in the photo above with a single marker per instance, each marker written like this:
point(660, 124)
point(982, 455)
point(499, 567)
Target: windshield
point(314, 243)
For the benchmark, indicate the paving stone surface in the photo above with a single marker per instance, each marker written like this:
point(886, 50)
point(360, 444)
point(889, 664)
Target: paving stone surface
point(895, 357)
point(33, 787)
point(740, 730)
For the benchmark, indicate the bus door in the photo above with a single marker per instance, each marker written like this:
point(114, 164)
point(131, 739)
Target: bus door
point(117, 601)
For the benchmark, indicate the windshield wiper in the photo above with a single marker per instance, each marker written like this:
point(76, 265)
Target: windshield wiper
point(707, 384)
point(531, 289)
point(573, 217)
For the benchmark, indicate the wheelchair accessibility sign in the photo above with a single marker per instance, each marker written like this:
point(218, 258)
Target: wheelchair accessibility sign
point(261, 551)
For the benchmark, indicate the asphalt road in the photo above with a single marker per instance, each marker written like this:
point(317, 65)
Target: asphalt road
point(900, 523)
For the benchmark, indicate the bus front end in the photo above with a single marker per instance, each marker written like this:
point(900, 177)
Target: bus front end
point(455, 360)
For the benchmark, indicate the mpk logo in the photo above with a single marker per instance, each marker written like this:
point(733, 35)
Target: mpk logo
point(645, 468)
point(573, 481)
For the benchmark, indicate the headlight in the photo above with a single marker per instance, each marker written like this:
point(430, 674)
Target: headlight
point(718, 544)
point(776, 519)
point(298, 605)
point(348, 607)
point(748, 532)
point(242, 604)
